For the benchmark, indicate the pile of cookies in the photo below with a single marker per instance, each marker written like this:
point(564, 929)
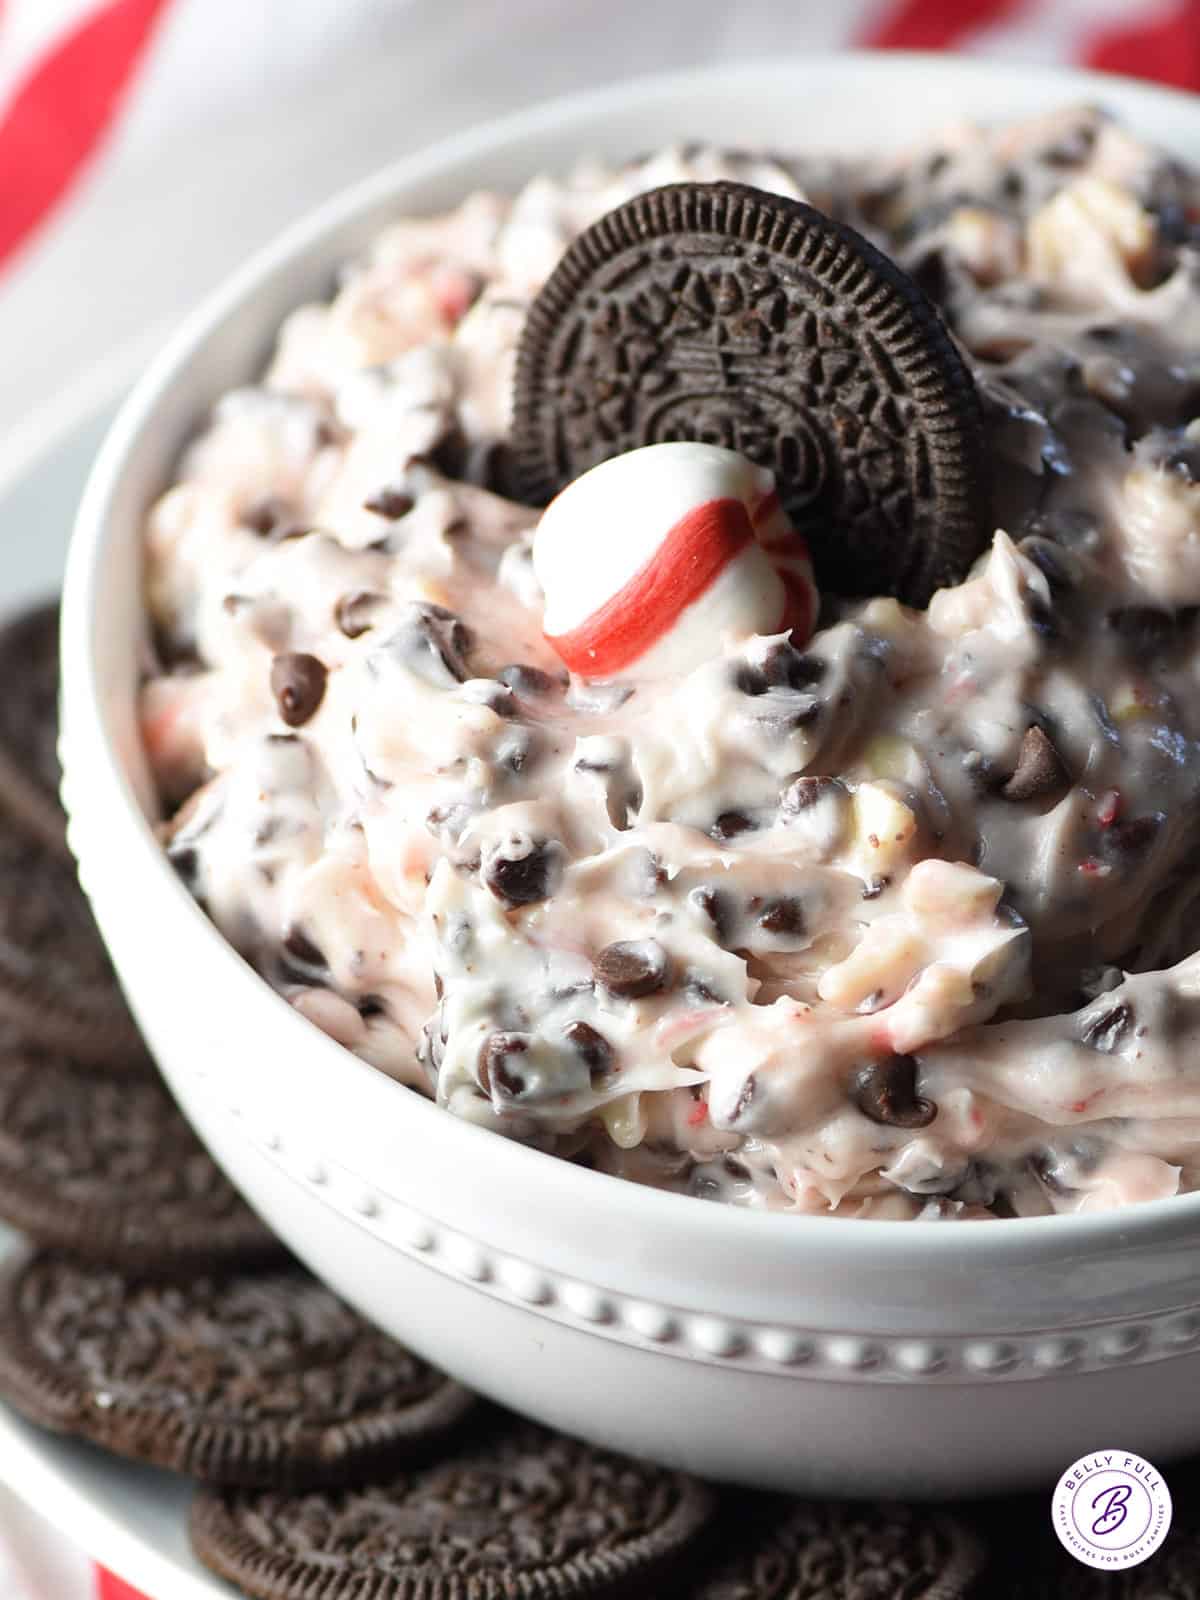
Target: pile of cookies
point(155, 1315)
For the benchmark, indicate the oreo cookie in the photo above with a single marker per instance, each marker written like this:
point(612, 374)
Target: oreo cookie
point(109, 1171)
point(56, 982)
point(721, 313)
point(802, 1550)
point(519, 1513)
point(253, 1380)
point(29, 770)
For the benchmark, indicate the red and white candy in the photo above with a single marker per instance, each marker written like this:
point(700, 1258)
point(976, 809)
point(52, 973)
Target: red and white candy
point(650, 561)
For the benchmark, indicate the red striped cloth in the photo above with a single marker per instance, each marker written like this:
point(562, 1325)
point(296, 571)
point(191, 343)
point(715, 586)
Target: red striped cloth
point(109, 1587)
point(57, 116)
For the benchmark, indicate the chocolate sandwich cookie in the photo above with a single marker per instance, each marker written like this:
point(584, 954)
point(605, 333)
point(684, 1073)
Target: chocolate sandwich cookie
point(519, 1513)
point(29, 770)
point(254, 1380)
point(801, 1550)
point(56, 982)
point(720, 313)
point(108, 1170)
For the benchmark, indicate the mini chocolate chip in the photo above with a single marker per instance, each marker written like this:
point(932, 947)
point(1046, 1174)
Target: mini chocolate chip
point(298, 944)
point(1040, 771)
point(802, 793)
point(434, 643)
point(1105, 1028)
point(886, 1092)
point(785, 667)
point(518, 748)
point(1012, 184)
point(267, 515)
point(699, 991)
point(593, 1047)
point(1049, 561)
point(1060, 1169)
point(353, 611)
point(632, 968)
point(1145, 631)
point(715, 906)
point(298, 684)
point(389, 502)
point(749, 680)
point(496, 1075)
point(527, 682)
point(784, 916)
point(730, 823)
point(1185, 461)
point(1132, 837)
point(186, 862)
point(1073, 149)
point(523, 880)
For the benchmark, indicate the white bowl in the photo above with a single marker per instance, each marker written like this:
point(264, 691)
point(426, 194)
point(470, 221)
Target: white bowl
point(856, 1357)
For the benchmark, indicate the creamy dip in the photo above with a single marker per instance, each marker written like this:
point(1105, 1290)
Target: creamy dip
point(900, 924)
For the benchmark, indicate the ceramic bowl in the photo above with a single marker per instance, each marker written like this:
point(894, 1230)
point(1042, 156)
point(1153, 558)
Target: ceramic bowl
point(853, 1357)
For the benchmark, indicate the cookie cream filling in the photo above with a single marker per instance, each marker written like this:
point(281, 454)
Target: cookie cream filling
point(896, 924)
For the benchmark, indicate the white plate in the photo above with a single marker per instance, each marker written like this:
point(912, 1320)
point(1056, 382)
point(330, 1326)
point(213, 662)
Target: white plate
point(131, 1519)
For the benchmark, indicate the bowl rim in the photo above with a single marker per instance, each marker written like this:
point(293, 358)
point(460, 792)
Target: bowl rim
point(1018, 1240)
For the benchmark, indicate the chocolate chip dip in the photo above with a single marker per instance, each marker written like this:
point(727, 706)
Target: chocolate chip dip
point(897, 924)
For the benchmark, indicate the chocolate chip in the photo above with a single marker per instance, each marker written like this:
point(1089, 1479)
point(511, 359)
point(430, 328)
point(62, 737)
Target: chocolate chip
point(1061, 1168)
point(186, 862)
point(749, 679)
point(390, 502)
point(434, 644)
point(1050, 562)
point(526, 878)
point(298, 684)
point(1105, 1028)
point(1184, 461)
point(593, 1048)
point(886, 1092)
point(1073, 149)
point(784, 916)
point(802, 793)
point(730, 823)
point(497, 1075)
point(782, 667)
point(1145, 631)
point(298, 944)
point(1040, 771)
point(785, 667)
point(715, 906)
point(632, 968)
point(527, 682)
point(353, 611)
point(699, 991)
point(267, 515)
point(1132, 837)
